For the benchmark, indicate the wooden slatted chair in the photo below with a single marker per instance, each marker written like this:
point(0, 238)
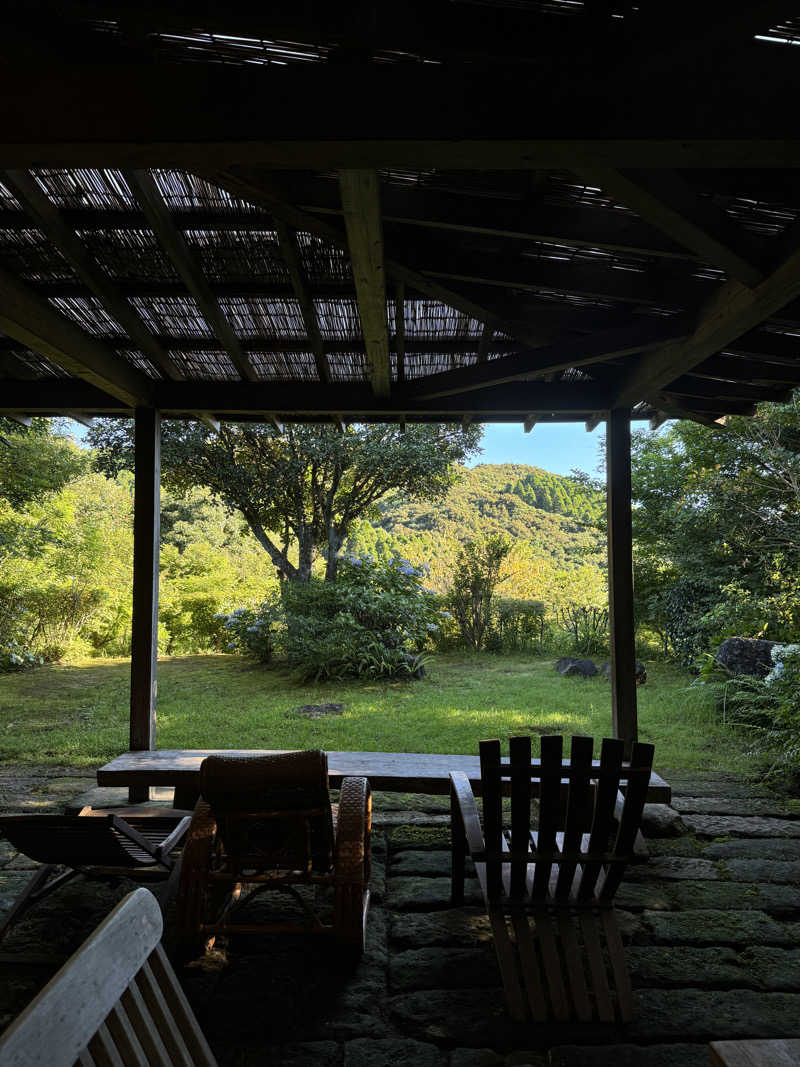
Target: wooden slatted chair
point(549, 889)
point(267, 822)
point(115, 1001)
point(94, 844)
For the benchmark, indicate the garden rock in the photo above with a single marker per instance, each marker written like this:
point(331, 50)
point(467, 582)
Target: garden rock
point(571, 667)
point(639, 672)
point(660, 820)
point(746, 655)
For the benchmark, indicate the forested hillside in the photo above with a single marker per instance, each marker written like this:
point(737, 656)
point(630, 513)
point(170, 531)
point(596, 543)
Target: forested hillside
point(556, 515)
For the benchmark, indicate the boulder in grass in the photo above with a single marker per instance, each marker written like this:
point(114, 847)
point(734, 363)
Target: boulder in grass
point(571, 667)
point(640, 671)
point(746, 655)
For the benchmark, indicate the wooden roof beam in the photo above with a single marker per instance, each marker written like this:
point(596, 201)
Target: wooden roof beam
point(34, 323)
point(580, 351)
point(664, 200)
point(734, 311)
point(178, 252)
point(362, 215)
point(287, 242)
point(528, 423)
point(47, 217)
point(322, 115)
point(18, 417)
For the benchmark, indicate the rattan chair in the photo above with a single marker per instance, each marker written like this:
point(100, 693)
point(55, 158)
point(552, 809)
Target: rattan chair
point(549, 885)
point(267, 823)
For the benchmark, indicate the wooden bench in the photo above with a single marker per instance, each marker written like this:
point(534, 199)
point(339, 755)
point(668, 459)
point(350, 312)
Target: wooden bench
point(394, 772)
point(115, 1001)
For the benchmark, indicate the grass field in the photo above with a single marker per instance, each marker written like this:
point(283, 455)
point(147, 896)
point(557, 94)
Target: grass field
point(78, 714)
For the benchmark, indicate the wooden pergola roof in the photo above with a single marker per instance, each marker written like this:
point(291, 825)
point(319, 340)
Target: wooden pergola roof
point(456, 210)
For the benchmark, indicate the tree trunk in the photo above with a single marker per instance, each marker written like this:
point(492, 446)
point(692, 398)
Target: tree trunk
point(305, 550)
point(335, 542)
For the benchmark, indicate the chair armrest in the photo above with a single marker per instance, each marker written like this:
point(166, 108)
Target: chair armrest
point(353, 829)
point(461, 793)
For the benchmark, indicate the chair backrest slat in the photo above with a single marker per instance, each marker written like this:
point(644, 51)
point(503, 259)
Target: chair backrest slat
point(491, 794)
point(603, 824)
point(520, 760)
point(104, 1049)
point(549, 811)
point(635, 796)
point(579, 812)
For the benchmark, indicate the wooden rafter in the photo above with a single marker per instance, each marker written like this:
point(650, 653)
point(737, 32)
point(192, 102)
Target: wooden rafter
point(362, 216)
point(256, 188)
point(287, 241)
point(34, 323)
point(580, 276)
point(485, 342)
point(664, 200)
point(47, 217)
point(459, 212)
point(734, 311)
point(172, 241)
point(571, 352)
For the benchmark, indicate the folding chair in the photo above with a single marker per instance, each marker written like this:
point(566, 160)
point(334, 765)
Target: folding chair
point(94, 844)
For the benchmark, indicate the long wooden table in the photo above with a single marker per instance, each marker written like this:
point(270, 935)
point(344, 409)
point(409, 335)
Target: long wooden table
point(395, 772)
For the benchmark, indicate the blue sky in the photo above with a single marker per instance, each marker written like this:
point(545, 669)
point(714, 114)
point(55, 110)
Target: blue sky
point(554, 446)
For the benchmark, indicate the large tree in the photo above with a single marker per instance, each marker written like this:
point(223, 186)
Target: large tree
point(718, 520)
point(305, 486)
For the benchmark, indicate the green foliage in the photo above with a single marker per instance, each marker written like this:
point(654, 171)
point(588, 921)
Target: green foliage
point(519, 624)
point(717, 530)
point(35, 462)
point(373, 621)
point(475, 578)
point(253, 632)
point(586, 625)
point(307, 485)
point(561, 496)
point(766, 711)
point(13, 657)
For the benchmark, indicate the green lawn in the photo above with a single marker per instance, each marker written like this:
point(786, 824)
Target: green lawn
point(78, 714)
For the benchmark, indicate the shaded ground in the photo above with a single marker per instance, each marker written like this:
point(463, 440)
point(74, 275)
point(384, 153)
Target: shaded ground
point(712, 924)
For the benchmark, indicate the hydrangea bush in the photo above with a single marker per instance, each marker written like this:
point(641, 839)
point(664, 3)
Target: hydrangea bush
point(13, 657)
point(253, 631)
point(374, 620)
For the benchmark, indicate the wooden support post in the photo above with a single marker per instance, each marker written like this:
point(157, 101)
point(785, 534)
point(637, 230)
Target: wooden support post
point(144, 624)
point(620, 577)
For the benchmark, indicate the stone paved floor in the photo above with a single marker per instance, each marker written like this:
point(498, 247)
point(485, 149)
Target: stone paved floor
point(712, 924)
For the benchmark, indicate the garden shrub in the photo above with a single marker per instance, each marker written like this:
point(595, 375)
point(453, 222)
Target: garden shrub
point(253, 631)
point(13, 657)
point(766, 709)
point(374, 620)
